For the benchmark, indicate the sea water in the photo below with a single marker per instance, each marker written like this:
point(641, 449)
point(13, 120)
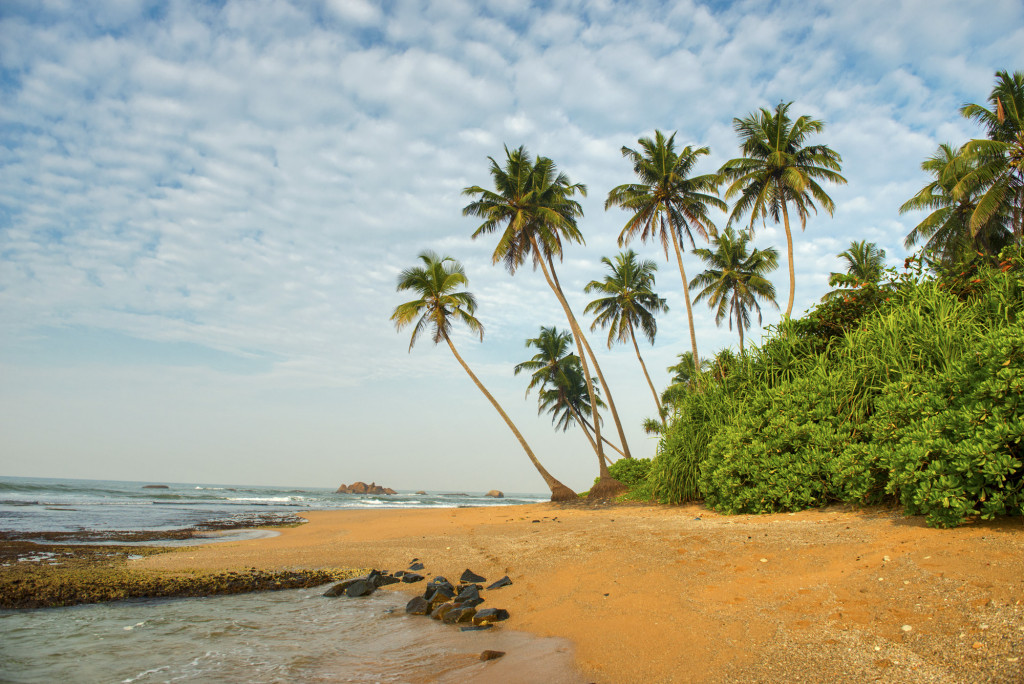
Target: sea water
point(277, 636)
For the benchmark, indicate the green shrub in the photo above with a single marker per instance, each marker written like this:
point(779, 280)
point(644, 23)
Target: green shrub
point(630, 471)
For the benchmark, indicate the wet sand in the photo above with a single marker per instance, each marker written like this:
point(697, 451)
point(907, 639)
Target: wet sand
point(681, 594)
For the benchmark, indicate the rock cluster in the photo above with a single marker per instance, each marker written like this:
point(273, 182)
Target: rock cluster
point(363, 488)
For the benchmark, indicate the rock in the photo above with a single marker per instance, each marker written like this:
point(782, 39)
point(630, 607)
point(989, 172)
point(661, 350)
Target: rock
point(495, 494)
point(442, 610)
point(439, 595)
point(459, 615)
point(417, 606)
point(491, 655)
point(382, 579)
point(503, 582)
point(411, 577)
point(490, 615)
point(475, 628)
point(363, 488)
point(420, 493)
point(155, 487)
point(339, 588)
point(473, 602)
point(416, 566)
point(471, 577)
point(360, 587)
point(468, 591)
point(440, 580)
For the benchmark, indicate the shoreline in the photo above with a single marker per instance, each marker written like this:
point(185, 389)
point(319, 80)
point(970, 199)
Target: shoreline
point(655, 594)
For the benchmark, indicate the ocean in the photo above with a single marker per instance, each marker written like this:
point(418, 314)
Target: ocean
point(283, 636)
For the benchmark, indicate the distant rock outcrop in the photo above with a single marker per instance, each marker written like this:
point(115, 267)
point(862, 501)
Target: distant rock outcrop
point(363, 488)
point(155, 487)
point(494, 493)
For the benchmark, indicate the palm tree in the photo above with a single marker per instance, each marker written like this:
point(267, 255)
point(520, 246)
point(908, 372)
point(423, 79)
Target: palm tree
point(778, 170)
point(998, 163)
point(562, 387)
point(947, 231)
point(668, 203)
point(865, 263)
point(736, 279)
point(532, 206)
point(630, 304)
point(440, 301)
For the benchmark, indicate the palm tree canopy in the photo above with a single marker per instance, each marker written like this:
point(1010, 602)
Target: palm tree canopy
point(865, 262)
point(997, 173)
point(566, 394)
point(630, 303)
point(552, 355)
point(778, 168)
point(666, 197)
point(437, 283)
point(531, 199)
point(736, 277)
point(947, 230)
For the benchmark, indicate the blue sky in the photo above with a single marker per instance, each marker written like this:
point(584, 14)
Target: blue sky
point(204, 207)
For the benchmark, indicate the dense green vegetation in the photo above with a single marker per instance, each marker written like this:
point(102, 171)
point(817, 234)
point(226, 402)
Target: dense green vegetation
point(907, 391)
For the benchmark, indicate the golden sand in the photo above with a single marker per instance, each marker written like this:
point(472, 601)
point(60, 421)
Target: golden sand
point(681, 594)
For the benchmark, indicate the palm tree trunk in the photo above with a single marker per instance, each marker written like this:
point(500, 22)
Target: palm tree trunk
point(643, 366)
point(583, 425)
point(559, 492)
point(739, 318)
point(602, 463)
point(593, 359)
point(588, 426)
point(689, 306)
point(789, 252)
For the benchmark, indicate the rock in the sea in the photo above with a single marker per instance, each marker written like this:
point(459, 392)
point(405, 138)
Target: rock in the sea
point(360, 587)
point(417, 606)
point(363, 488)
point(490, 615)
point(382, 579)
point(491, 655)
point(420, 493)
point(442, 610)
point(475, 628)
point(469, 577)
point(463, 614)
point(411, 577)
point(503, 582)
point(155, 487)
point(339, 588)
point(495, 494)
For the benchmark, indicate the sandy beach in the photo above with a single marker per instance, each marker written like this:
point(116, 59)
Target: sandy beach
point(681, 594)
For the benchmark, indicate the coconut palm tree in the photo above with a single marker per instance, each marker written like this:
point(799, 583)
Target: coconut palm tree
point(630, 303)
point(668, 203)
point(437, 283)
point(559, 376)
point(865, 263)
point(736, 279)
point(998, 162)
point(947, 231)
point(778, 170)
point(533, 209)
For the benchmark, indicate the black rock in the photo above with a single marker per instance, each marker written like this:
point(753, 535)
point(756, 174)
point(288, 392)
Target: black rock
point(411, 577)
point(459, 614)
point(416, 566)
point(476, 601)
point(399, 573)
point(470, 577)
point(438, 579)
point(438, 595)
point(491, 655)
point(442, 610)
point(382, 579)
point(339, 588)
point(360, 587)
point(469, 591)
point(503, 582)
point(490, 615)
point(417, 606)
point(475, 628)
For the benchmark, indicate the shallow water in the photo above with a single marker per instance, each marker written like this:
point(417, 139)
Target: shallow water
point(286, 636)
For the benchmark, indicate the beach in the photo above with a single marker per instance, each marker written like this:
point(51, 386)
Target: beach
point(681, 594)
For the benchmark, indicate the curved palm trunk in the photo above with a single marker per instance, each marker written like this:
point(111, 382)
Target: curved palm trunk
point(602, 463)
point(643, 366)
point(739, 317)
point(583, 425)
point(559, 492)
point(789, 252)
point(689, 306)
point(597, 367)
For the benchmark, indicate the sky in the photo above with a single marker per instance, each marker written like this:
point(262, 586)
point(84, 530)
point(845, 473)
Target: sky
point(204, 207)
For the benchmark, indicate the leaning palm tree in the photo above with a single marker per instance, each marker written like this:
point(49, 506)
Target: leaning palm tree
point(947, 231)
point(533, 209)
point(736, 279)
point(668, 203)
point(439, 301)
point(998, 161)
point(630, 303)
point(559, 376)
point(865, 263)
point(777, 170)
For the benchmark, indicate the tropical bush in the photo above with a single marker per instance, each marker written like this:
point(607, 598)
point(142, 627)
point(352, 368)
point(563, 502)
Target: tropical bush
point(910, 395)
